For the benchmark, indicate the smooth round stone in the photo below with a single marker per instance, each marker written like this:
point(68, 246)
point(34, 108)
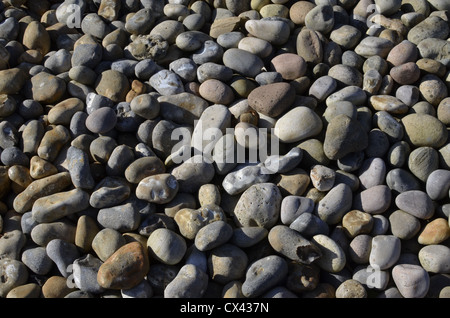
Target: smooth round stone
point(401, 180)
point(63, 254)
point(190, 282)
point(435, 258)
point(405, 74)
point(371, 45)
point(333, 257)
point(293, 245)
point(59, 62)
point(166, 246)
point(335, 204)
point(416, 124)
point(351, 161)
point(210, 51)
point(146, 106)
point(422, 162)
point(106, 242)
point(30, 290)
point(388, 8)
point(230, 39)
point(435, 232)
point(323, 87)
point(191, 41)
point(37, 260)
point(125, 268)
point(359, 248)
point(101, 120)
point(289, 65)
point(387, 103)
point(213, 235)
point(351, 288)
point(43, 233)
point(122, 218)
point(298, 11)
point(216, 92)
point(412, 281)
point(385, 251)
point(193, 173)
point(346, 75)
point(320, 19)
point(259, 205)
point(248, 236)
point(274, 31)
point(58, 205)
point(119, 160)
point(144, 167)
point(212, 70)
point(227, 263)
point(293, 206)
point(186, 68)
point(259, 47)
point(264, 274)
point(108, 192)
point(159, 188)
point(434, 48)
point(79, 168)
point(12, 81)
point(374, 200)
point(243, 62)
point(46, 88)
point(431, 27)
point(433, 89)
point(15, 274)
point(438, 184)
point(416, 203)
point(402, 53)
point(307, 124)
point(13, 155)
point(182, 108)
point(408, 94)
point(404, 225)
point(372, 172)
point(343, 136)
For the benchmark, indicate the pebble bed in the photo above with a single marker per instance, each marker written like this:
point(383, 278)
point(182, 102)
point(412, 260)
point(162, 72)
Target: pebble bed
point(95, 203)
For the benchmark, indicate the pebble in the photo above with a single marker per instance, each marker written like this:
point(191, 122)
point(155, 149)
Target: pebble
point(416, 203)
point(385, 251)
point(243, 62)
point(218, 263)
point(15, 273)
point(435, 232)
point(404, 225)
point(260, 276)
point(122, 218)
point(166, 246)
point(125, 268)
point(412, 281)
point(213, 235)
point(434, 258)
point(308, 123)
point(63, 254)
point(337, 201)
point(351, 288)
point(189, 282)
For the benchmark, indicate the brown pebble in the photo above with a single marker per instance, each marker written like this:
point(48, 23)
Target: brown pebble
point(56, 287)
point(435, 232)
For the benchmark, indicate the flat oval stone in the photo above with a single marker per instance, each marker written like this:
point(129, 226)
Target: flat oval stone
point(404, 225)
point(190, 282)
point(259, 205)
point(52, 142)
point(385, 251)
point(213, 235)
point(193, 173)
point(144, 167)
point(343, 136)
point(62, 112)
point(264, 274)
point(227, 263)
point(108, 192)
point(58, 205)
point(411, 280)
point(272, 99)
point(333, 258)
point(101, 120)
point(125, 268)
point(159, 188)
point(435, 232)
point(416, 203)
point(422, 162)
point(435, 258)
point(389, 104)
point(335, 204)
point(374, 200)
point(274, 31)
point(122, 218)
point(166, 246)
point(414, 127)
point(182, 108)
point(243, 62)
point(438, 184)
point(307, 124)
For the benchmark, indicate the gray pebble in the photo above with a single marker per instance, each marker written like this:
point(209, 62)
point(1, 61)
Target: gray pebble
point(125, 66)
point(109, 192)
point(14, 156)
point(166, 83)
point(59, 62)
point(359, 248)
point(284, 163)
point(11, 244)
point(243, 62)
point(211, 70)
point(404, 225)
point(166, 246)
point(145, 69)
point(193, 173)
point(248, 236)
point(412, 281)
point(438, 184)
point(63, 254)
point(15, 274)
point(243, 177)
point(37, 260)
point(335, 204)
point(372, 172)
point(43, 233)
point(122, 218)
point(8, 134)
point(121, 157)
point(416, 203)
point(106, 242)
point(79, 169)
point(87, 54)
point(401, 180)
point(293, 206)
point(385, 251)
point(213, 235)
point(264, 274)
point(375, 200)
point(141, 290)
point(190, 282)
point(185, 68)
point(227, 263)
point(435, 258)
point(85, 271)
point(308, 225)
